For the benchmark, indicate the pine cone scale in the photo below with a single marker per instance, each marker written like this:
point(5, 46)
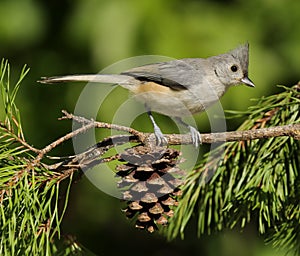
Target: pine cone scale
point(149, 180)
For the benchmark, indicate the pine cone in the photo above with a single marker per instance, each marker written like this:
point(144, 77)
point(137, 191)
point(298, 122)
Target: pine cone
point(149, 181)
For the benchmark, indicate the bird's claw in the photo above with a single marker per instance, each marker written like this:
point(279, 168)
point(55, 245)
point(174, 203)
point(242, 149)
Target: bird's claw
point(196, 136)
point(160, 138)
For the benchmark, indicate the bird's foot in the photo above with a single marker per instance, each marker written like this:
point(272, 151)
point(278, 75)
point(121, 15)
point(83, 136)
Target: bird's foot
point(160, 138)
point(196, 136)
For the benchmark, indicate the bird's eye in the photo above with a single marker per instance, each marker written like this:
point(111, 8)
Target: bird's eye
point(234, 68)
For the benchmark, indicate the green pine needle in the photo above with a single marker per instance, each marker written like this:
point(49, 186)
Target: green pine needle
point(30, 199)
point(255, 181)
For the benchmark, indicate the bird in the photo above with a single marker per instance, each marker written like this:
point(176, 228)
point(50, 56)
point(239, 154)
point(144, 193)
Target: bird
point(177, 88)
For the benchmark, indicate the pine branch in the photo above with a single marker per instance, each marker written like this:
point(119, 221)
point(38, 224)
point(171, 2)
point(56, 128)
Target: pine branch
point(30, 198)
point(251, 181)
point(92, 156)
point(256, 179)
point(292, 130)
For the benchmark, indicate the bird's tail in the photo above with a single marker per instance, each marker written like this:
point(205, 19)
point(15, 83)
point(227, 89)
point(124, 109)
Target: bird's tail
point(123, 80)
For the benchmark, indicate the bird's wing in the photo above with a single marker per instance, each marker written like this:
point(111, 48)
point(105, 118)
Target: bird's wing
point(175, 74)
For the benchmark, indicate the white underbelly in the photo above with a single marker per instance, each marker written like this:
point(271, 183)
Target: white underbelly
point(177, 103)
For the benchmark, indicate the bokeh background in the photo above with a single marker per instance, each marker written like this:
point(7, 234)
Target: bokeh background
point(84, 36)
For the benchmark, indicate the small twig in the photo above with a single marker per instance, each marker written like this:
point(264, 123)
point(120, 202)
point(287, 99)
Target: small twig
point(20, 140)
point(97, 124)
point(26, 145)
point(68, 136)
point(84, 164)
point(54, 144)
point(94, 153)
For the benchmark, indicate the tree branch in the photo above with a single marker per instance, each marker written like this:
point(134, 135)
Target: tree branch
point(292, 130)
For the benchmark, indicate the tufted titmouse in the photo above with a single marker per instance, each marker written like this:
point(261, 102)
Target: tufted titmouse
point(177, 88)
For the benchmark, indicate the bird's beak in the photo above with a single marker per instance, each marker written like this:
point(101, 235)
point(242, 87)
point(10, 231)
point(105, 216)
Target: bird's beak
point(247, 81)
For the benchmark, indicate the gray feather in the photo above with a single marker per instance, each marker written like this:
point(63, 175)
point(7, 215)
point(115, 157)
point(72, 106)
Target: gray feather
point(242, 54)
point(175, 74)
point(97, 78)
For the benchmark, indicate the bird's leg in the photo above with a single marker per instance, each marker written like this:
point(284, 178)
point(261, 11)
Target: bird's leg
point(160, 138)
point(196, 136)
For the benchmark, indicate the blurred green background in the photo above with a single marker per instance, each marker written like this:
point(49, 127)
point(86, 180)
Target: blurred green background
point(84, 36)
